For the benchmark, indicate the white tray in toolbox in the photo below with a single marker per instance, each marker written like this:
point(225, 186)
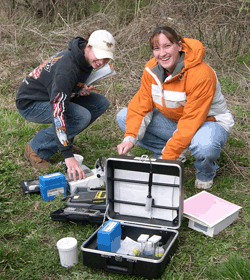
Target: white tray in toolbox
point(127, 184)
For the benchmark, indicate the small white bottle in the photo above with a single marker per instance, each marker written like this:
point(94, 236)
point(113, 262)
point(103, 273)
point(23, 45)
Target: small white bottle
point(148, 249)
point(155, 241)
point(142, 240)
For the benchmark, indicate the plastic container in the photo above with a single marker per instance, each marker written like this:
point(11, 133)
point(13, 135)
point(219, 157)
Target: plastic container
point(142, 240)
point(51, 185)
point(148, 249)
point(159, 252)
point(109, 237)
point(67, 248)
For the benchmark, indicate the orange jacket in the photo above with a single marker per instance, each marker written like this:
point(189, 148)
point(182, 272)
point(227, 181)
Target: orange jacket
point(190, 96)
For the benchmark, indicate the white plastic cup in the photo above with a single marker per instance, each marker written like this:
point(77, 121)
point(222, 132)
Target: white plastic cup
point(67, 248)
point(79, 158)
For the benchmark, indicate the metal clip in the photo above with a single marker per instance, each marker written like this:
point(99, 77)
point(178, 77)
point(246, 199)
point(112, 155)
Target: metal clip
point(144, 157)
point(105, 256)
point(118, 258)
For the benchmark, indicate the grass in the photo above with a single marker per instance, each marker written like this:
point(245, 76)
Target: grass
point(234, 268)
point(28, 236)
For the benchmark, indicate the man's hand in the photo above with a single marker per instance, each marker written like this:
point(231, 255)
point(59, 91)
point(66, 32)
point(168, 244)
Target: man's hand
point(73, 166)
point(86, 90)
point(124, 147)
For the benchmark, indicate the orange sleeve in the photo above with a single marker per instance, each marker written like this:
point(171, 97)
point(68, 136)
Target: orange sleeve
point(139, 106)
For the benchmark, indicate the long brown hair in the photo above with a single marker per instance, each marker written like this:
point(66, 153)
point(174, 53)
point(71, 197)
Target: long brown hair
point(172, 36)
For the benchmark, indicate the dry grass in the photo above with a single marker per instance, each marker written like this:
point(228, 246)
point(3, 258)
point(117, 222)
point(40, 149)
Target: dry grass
point(222, 26)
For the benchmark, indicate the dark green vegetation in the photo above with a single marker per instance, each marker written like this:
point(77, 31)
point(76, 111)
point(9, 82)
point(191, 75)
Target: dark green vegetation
point(30, 31)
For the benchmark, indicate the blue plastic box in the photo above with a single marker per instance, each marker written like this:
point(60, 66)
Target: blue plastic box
point(109, 237)
point(51, 185)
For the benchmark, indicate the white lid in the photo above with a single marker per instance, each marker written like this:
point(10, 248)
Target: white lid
point(143, 238)
point(155, 238)
point(66, 244)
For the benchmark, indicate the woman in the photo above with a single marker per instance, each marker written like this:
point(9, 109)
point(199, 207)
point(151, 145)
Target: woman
point(178, 106)
point(55, 93)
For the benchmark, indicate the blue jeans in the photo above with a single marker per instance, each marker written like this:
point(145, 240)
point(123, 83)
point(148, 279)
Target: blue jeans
point(205, 146)
point(80, 113)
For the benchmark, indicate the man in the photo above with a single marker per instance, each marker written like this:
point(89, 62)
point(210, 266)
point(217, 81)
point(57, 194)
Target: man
point(54, 92)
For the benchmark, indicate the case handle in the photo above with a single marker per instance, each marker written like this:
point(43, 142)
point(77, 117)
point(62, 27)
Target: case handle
point(120, 269)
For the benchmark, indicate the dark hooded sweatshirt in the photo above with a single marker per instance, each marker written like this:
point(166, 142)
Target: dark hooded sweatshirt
point(55, 80)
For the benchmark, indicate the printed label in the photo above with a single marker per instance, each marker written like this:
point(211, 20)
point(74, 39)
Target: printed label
point(100, 194)
point(109, 226)
point(55, 191)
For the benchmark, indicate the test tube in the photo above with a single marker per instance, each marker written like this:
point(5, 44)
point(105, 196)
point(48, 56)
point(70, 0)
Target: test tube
point(159, 251)
point(142, 240)
point(155, 241)
point(149, 248)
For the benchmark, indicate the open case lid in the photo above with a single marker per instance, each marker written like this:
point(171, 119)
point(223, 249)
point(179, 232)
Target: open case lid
point(128, 183)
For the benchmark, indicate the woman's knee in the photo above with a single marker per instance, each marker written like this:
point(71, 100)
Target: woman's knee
point(121, 118)
point(208, 141)
point(205, 151)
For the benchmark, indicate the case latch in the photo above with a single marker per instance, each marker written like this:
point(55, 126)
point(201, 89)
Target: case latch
point(118, 258)
point(144, 158)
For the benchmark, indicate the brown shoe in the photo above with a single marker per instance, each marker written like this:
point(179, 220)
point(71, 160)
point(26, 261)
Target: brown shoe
point(76, 150)
point(36, 161)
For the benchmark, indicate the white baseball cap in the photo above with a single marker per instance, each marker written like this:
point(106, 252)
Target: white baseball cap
point(103, 44)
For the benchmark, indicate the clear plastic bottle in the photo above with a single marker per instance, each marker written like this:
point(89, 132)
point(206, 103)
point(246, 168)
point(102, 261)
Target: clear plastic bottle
point(159, 252)
point(148, 249)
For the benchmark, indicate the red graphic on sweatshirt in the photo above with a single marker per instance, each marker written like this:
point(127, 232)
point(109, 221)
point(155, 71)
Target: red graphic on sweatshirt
point(47, 64)
point(58, 114)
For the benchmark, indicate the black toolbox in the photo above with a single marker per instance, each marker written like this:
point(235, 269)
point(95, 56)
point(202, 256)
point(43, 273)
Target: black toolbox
point(128, 181)
point(77, 210)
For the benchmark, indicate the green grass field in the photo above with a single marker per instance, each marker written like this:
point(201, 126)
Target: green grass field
point(28, 236)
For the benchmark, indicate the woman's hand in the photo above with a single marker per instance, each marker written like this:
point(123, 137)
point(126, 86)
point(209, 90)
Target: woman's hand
point(124, 147)
point(73, 167)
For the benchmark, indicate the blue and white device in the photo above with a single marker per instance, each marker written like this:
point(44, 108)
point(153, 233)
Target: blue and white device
point(109, 237)
point(51, 185)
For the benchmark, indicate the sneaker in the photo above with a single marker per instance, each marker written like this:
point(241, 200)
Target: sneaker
point(76, 150)
point(203, 185)
point(36, 161)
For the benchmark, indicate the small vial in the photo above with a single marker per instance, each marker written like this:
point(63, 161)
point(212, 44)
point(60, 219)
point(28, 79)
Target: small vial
point(159, 252)
point(155, 240)
point(148, 249)
point(142, 240)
